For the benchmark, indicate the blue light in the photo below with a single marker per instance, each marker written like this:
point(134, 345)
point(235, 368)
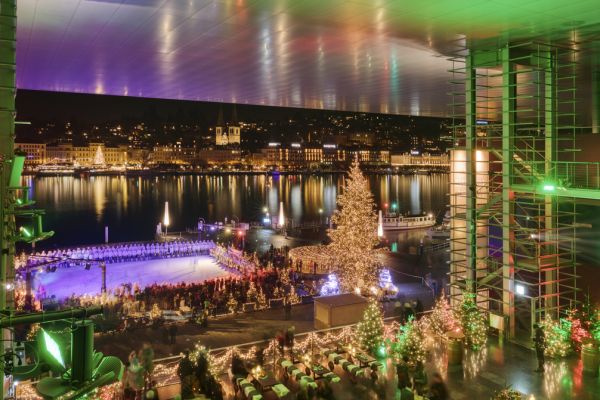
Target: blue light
point(385, 281)
point(330, 287)
point(266, 220)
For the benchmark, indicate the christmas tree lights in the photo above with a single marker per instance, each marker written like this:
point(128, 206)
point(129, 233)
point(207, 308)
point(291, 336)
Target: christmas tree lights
point(370, 329)
point(442, 318)
point(261, 300)
point(558, 337)
point(354, 238)
point(293, 297)
point(232, 304)
point(252, 293)
point(474, 322)
point(410, 343)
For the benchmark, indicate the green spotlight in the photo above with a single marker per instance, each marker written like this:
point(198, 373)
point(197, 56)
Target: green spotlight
point(53, 348)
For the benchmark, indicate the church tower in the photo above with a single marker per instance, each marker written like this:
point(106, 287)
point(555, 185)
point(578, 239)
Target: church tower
point(220, 137)
point(233, 135)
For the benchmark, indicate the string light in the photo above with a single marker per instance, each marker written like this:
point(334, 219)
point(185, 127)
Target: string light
point(354, 237)
point(473, 321)
point(558, 337)
point(370, 329)
point(441, 319)
point(409, 343)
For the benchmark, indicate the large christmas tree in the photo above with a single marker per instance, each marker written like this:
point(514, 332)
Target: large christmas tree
point(370, 329)
point(354, 238)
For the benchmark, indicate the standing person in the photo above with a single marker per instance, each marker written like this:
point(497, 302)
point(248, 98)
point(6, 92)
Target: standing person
point(438, 389)
point(135, 374)
point(402, 374)
point(185, 370)
point(287, 307)
point(540, 346)
point(173, 333)
point(147, 361)
point(419, 378)
point(404, 393)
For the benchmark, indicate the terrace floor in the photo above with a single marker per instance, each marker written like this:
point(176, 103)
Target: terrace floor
point(481, 374)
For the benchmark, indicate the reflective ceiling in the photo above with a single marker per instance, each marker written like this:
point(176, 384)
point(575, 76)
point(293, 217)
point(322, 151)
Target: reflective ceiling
point(385, 56)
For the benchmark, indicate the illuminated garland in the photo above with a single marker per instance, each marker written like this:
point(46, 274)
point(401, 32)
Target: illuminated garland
point(370, 329)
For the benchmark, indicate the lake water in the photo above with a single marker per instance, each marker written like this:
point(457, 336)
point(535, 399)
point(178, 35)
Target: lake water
point(78, 209)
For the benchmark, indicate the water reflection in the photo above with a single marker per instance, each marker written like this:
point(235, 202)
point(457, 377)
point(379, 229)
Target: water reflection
point(79, 208)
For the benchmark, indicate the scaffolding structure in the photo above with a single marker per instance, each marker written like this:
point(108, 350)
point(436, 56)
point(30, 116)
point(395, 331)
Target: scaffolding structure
point(514, 181)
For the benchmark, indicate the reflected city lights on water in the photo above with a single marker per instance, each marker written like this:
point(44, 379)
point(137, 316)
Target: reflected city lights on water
point(132, 206)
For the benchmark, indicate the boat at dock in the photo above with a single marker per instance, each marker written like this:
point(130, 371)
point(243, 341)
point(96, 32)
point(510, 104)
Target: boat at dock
point(398, 222)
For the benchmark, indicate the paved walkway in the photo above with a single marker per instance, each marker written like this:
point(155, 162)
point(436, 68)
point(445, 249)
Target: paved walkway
point(497, 366)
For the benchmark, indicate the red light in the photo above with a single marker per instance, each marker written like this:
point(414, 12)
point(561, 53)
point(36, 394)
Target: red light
point(386, 205)
point(240, 233)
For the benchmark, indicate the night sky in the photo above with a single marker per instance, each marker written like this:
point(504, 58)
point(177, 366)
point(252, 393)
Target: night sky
point(42, 105)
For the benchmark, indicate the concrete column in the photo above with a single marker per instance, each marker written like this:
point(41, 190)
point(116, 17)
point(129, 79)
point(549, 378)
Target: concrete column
point(471, 171)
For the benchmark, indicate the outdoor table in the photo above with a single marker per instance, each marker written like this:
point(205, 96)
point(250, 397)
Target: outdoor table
point(364, 359)
point(318, 370)
point(280, 390)
point(265, 382)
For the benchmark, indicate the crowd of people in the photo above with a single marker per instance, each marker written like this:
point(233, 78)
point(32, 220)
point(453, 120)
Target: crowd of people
point(200, 300)
point(109, 253)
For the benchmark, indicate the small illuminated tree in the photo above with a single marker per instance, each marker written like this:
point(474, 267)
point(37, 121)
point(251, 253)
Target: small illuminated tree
point(261, 300)
point(354, 237)
point(252, 293)
point(410, 343)
point(370, 329)
point(473, 321)
point(558, 337)
point(232, 304)
point(441, 319)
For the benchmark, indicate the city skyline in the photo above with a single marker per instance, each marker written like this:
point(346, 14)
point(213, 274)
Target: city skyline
point(48, 117)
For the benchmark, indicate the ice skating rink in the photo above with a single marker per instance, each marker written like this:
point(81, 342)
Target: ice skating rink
point(76, 280)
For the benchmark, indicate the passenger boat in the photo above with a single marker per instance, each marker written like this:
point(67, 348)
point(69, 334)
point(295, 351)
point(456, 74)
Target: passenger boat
point(398, 222)
point(442, 231)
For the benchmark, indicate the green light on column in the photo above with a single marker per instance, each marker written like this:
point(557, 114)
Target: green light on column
point(53, 348)
point(548, 187)
point(25, 232)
